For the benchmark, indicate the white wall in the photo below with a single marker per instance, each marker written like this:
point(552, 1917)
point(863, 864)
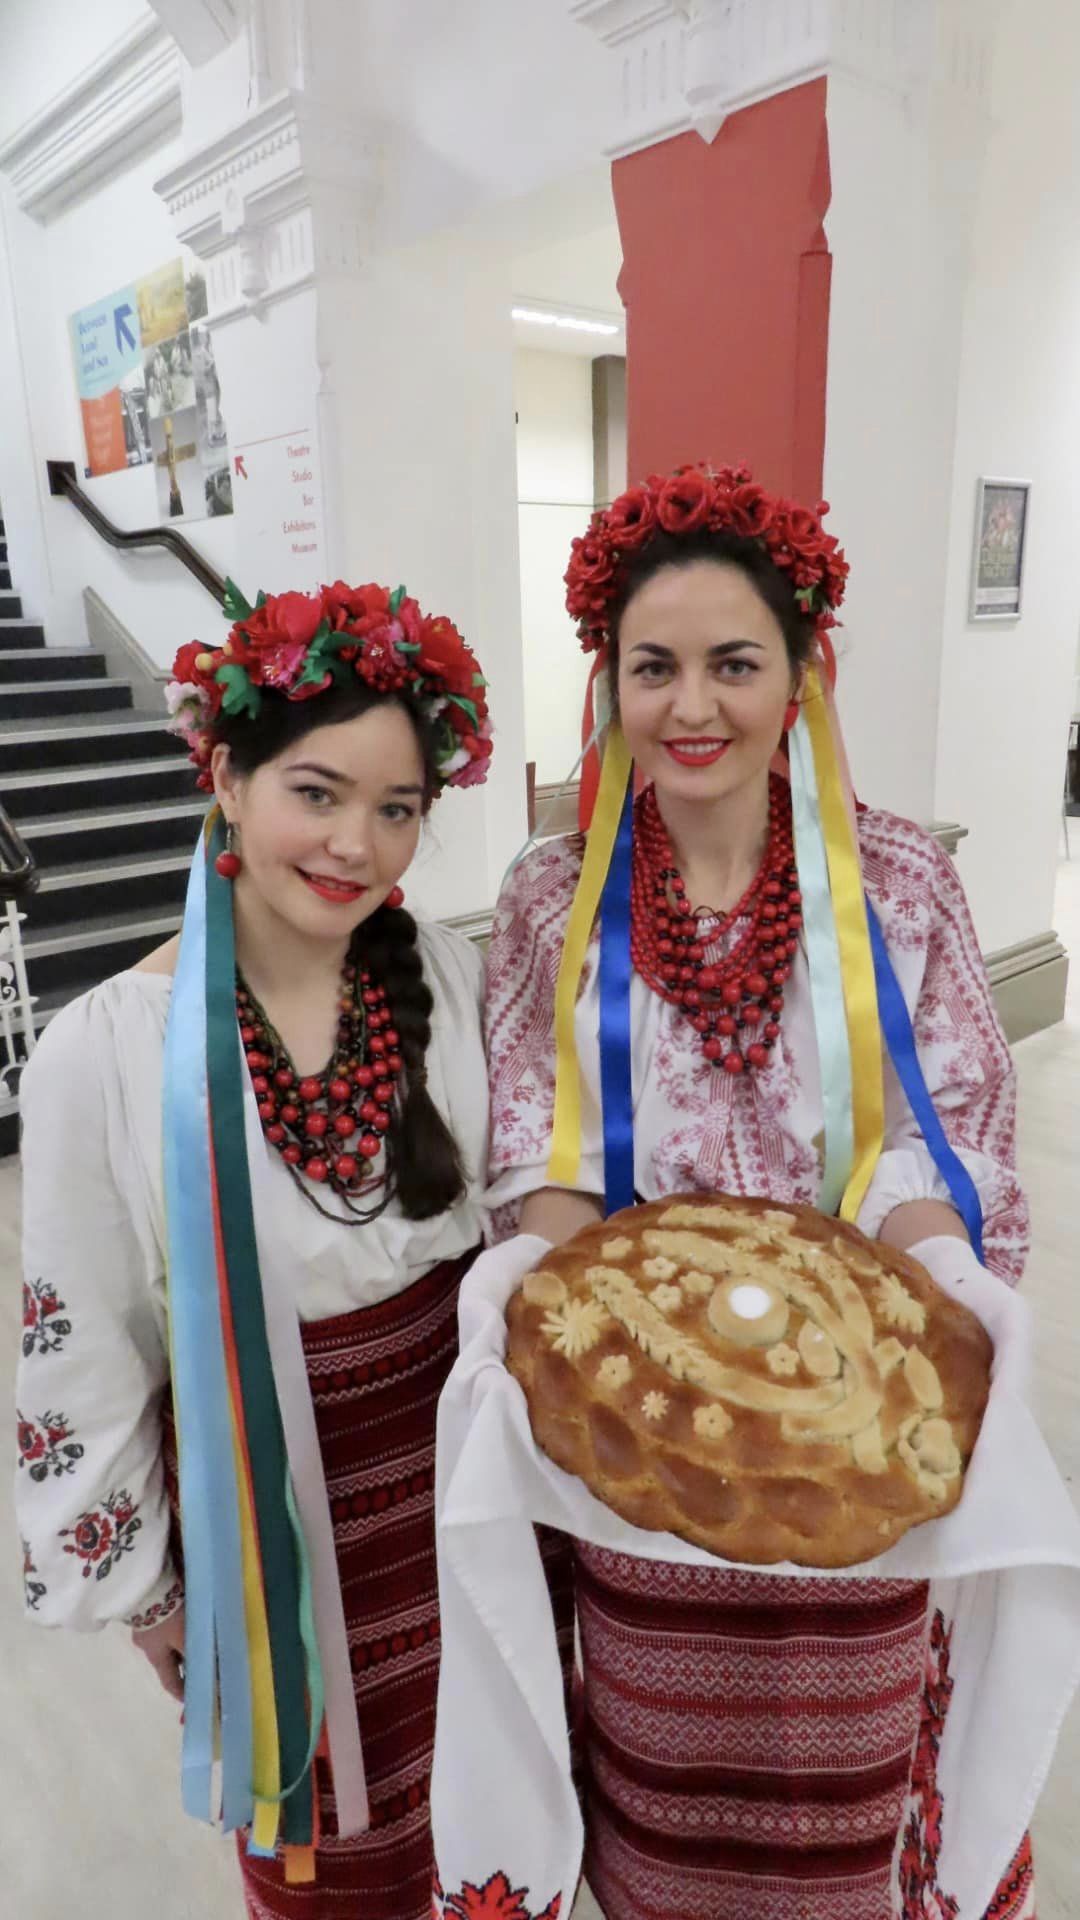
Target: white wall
point(268, 378)
point(1006, 691)
point(46, 45)
point(421, 348)
point(553, 402)
point(894, 341)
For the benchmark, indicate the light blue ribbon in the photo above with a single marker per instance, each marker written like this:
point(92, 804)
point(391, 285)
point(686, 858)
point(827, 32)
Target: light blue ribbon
point(215, 1638)
point(826, 978)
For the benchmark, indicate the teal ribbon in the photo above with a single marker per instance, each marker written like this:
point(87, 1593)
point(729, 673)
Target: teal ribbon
point(262, 1418)
point(215, 1638)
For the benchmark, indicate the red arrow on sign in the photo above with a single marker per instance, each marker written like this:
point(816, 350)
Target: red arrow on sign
point(238, 462)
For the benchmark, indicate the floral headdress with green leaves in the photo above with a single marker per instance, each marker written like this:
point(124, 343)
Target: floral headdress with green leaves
point(297, 645)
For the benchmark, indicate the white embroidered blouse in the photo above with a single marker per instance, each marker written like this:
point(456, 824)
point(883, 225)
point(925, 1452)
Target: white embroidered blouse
point(90, 1496)
point(697, 1129)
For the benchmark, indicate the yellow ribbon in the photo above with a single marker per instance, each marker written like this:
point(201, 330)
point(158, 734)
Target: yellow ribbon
point(856, 959)
point(265, 1754)
point(565, 1160)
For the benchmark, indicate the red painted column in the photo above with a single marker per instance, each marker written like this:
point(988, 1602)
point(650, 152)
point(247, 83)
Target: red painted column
point(725, 281)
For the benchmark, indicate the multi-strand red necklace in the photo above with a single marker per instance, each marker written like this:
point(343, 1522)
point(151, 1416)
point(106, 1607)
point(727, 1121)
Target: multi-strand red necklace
point(328, 1127)
point(734, 1002)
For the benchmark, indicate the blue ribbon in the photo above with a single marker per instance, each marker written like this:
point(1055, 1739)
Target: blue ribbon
point(616, 1064)
point(215, 1639)
point(900, 1038)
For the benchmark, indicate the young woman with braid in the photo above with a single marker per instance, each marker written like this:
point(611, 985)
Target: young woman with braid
point(350, 1135)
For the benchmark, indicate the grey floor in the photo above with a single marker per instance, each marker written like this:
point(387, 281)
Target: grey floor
point(90, 1824)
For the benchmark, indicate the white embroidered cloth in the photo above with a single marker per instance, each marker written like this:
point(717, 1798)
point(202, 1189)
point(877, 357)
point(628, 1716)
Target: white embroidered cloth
point(1004, 1568)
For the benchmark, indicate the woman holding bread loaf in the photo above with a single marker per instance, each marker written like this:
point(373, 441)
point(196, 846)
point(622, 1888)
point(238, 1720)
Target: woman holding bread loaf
point(748, 987)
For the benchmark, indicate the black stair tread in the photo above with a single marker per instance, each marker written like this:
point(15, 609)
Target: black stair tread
point(59, 686)
point(52, 653)
point(88, 818)
point(93, 770)
point(72, 873)
point(156, 923)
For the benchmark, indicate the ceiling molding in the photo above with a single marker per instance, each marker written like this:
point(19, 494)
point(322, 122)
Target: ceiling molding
point(201, 28)
point(686, 65)
point(284, 197)
point(125, 105)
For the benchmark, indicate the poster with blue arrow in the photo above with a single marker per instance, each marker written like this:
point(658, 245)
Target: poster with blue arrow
point(149, 391)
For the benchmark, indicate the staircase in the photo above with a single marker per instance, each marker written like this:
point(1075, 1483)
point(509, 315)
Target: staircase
point(105, 799)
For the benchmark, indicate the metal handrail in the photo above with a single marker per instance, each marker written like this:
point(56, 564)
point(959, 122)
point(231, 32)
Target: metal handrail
point(63, 483)
point(18, 868)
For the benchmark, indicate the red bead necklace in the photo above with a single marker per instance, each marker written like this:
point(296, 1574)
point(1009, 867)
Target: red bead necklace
point(328, 1127)
point(734, 1002)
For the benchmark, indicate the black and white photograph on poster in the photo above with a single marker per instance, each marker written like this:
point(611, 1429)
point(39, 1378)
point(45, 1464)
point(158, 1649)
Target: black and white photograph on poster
point(218, 490)
point(177, 469)
point(195, 293)
point(213, 436)
point(170, 379)
point(136, 418)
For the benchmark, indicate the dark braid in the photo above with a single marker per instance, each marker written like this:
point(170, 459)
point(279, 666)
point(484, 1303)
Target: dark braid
point(423, 1163)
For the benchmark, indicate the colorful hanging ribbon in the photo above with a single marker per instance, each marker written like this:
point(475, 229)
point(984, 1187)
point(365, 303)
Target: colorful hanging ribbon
point(826, 972)
point(856, 960)
point(264, 1615)
point(900, 1036)
point(616, 1054)
point(565, 1158)
point(855, 994)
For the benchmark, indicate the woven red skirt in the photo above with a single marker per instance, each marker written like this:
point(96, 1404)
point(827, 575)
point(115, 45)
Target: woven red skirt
point(376, 1376)
point(749, 1743)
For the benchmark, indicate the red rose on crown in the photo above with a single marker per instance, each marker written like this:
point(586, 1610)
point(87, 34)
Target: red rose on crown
point(751, 509)
point(685, 502)
point(631, 519)
point(356, 609)
point(444, 657)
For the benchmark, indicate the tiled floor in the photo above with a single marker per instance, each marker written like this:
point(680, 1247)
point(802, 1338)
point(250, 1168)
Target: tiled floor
point(91, 1824)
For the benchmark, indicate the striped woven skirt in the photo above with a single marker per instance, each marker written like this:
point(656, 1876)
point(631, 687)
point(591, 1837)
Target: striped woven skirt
point(749, 1746)
point(376, 1376)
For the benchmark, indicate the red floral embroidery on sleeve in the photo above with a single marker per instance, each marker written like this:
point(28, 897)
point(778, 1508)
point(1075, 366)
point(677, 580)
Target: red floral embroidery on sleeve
point(47, 1445)
point(103, 1534)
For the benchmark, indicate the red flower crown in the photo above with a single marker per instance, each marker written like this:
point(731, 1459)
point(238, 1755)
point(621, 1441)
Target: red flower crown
point(299, 644)
point(695, 500)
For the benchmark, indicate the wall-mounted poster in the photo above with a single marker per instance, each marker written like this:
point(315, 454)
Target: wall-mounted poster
point(150, 393)
point(997, 571)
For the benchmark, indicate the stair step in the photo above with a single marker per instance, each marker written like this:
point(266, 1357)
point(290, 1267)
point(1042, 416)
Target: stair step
point(85, 742)
point(10, 603)
point(5, 576)
point(36, 661)
point(102, 784)
point(21, 700)
point(90, 873)
point(144, 883)
point(84, 952)
point(104, 832)
point(17, 632)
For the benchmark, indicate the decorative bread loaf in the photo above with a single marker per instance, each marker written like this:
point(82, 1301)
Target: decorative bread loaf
point(759, 1379)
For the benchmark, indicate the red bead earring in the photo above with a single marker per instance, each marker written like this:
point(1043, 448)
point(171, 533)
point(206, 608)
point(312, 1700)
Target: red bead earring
point(228, 863)
point(395, 898)
point(791, 714)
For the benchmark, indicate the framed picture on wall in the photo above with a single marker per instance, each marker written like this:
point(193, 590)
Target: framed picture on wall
point(997, 571)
